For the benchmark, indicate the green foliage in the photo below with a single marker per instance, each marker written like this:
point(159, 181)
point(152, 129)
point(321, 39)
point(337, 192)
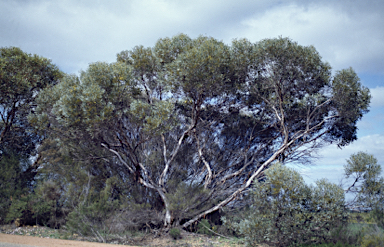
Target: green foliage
point(19, 211)
point(157, 118)
point(39, 207)
point(361, 217)
point(347, 234)
point(367, 183)
point(378, 215)
point(12, 186)
point(203, 227)
point(88, 100)
point(92, 216)
point(338, 244)
point(22, 77)
point(351, 100)
point(175, 233)
point(16, 178)
point(47, 205)
point(372, 238)
point(286, 211)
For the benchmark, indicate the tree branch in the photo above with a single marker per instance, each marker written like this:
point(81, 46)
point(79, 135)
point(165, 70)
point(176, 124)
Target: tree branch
point(118, 155)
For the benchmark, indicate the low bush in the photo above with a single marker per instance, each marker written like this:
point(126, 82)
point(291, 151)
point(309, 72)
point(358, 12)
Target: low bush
point(41, 207)
point(286, 211)
point(175, 233)
point(203, 227)
point(373, 237)
point(348, 234)
point(378, 216)
point(91, 216)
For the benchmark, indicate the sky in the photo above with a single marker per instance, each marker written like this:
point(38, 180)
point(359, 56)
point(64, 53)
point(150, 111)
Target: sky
point(346, 33)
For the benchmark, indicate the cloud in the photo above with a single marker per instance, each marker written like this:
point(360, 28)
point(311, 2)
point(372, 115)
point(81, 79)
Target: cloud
point(331, 163)
point(344, 37)
point(371, 122)
point(75, 33)
point(377, 97)
point(372, 144)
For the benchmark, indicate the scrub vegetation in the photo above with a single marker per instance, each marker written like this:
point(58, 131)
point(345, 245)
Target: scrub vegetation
point(190, 135)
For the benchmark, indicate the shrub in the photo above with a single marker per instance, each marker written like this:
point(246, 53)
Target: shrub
point(91, 216)
point(373, 238)
point(20, 212)
point(287, 211)
point(348, 234)
point(378, 215)
point(38, 207)
point(203, 227)
point(175, 233)
point(15, 183)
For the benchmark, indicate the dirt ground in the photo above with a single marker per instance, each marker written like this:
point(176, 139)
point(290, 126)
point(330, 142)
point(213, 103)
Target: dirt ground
point(42, 236)
point(46, 242)
point(50, 242)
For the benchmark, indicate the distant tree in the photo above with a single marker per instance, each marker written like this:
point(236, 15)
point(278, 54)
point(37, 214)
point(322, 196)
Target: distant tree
point(201, 118)
point(367, 185)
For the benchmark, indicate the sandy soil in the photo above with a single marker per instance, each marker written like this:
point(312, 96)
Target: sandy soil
point(47, 242)
point(187, 241)
point(44, 236)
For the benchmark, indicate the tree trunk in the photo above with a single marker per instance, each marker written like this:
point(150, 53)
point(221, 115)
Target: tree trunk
point(167, 217)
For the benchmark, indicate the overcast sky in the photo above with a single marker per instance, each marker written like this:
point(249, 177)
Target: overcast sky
point(74, 33)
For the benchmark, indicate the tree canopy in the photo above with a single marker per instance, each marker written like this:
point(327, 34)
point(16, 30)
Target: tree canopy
point(22, 77)
point(200, 117)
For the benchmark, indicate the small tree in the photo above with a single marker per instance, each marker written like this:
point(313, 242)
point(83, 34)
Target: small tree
point(367, 184)
point(286, 210)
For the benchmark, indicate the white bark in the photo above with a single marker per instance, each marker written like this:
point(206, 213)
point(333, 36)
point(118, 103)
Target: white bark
point(208, 178)
point(238, 191)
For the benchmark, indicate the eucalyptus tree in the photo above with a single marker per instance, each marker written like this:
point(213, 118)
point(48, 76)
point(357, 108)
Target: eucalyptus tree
point(367, 184)
point(197, 121)
point(293, 106)
point(22, 77)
